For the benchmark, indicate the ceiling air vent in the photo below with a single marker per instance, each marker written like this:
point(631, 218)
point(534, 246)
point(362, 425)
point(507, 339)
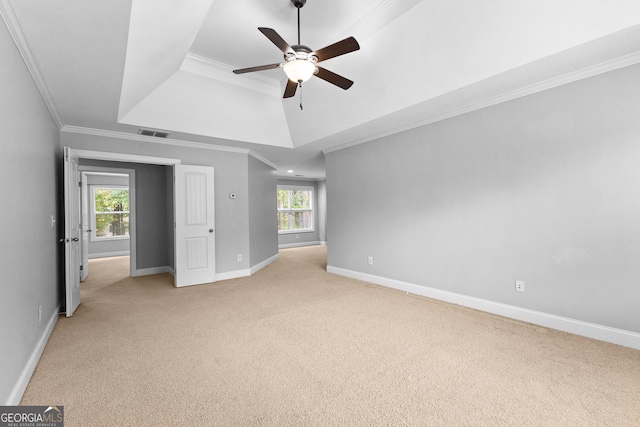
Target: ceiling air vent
point(151, 132)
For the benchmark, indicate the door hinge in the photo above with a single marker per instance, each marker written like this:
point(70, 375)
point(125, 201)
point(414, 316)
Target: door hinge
point(79, 183)
point(81, 267)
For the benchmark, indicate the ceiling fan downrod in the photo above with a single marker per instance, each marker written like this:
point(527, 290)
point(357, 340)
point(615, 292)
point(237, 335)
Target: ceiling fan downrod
point(298, 4)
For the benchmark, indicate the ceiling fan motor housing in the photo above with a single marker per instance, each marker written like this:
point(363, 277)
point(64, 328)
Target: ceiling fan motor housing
point(298, 3)
point(301, 52)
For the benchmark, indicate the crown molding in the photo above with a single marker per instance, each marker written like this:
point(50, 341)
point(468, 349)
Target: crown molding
point(554, 82)
point(262, 159)
point(163, 141)
point(152, 139)
point(16, 30)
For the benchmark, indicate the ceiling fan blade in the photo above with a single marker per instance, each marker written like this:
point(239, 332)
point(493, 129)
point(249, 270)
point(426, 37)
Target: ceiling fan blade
point(334, 78)
point(276, 39)
point(259, 68)
point(340, 48)
point(290, 90)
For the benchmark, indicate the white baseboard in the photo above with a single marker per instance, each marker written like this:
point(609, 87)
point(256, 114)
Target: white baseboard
point(578, 327)
point(227, 275)
point(109, 254)
point(232, 274)
point(298, 245)
point(264, 263)
point(154, 270)
point(246, 272)
point(27, 372)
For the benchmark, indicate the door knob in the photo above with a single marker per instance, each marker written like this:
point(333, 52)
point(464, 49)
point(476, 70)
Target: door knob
point(75, 239)
point(211, 230)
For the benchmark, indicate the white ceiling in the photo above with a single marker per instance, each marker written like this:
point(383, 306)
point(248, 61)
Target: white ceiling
point(120, 65)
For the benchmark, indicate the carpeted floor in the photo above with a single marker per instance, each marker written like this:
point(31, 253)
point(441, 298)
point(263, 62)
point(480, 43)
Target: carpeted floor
point(296, 346)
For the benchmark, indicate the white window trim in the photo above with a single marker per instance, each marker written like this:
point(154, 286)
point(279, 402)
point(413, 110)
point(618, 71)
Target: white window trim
point(312, 209)
point(92, 214)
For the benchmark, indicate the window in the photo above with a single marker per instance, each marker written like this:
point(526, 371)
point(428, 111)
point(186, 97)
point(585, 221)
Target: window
point(110, 219)
point(295, 209)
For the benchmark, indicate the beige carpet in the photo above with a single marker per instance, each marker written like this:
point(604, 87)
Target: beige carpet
point(296, 346)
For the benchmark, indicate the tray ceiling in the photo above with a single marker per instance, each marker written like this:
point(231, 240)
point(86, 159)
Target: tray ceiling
point(124, 64)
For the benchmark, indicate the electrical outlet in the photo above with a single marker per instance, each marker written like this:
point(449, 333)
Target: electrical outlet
point(370, 260)
point(519, 286)
point(239, 257)
point(53, 221)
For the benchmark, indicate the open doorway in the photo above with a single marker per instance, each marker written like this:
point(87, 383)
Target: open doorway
point(151, 247)
point(107, 215)
point(178, 205)
point(151, 231)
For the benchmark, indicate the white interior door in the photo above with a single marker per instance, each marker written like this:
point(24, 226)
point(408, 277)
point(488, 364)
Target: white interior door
point(84, 203)
point(71, 231)
point(195, 225)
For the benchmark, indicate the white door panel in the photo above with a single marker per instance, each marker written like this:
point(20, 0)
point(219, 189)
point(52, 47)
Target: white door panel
point(71, 231)
point(195, 225)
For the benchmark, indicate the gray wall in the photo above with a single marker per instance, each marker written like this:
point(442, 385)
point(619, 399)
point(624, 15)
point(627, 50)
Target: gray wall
point(31, 194)
point(322, 210)
point(230, 175)
point(99, 248)
point(151, 211)
point(263, 227)
point(152, 241)
point(319, 203)
point(542, 189)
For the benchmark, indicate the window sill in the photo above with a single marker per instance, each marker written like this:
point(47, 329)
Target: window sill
point(108, 239)
point(296, 231)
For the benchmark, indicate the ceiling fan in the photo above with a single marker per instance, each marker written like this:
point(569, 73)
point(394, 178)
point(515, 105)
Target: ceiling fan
point(300, 61)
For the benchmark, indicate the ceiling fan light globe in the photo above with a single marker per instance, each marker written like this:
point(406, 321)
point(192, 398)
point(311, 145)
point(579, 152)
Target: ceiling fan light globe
point(299, 70)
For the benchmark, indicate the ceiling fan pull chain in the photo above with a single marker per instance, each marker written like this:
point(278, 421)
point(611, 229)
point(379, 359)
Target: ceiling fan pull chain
point(300, 93)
